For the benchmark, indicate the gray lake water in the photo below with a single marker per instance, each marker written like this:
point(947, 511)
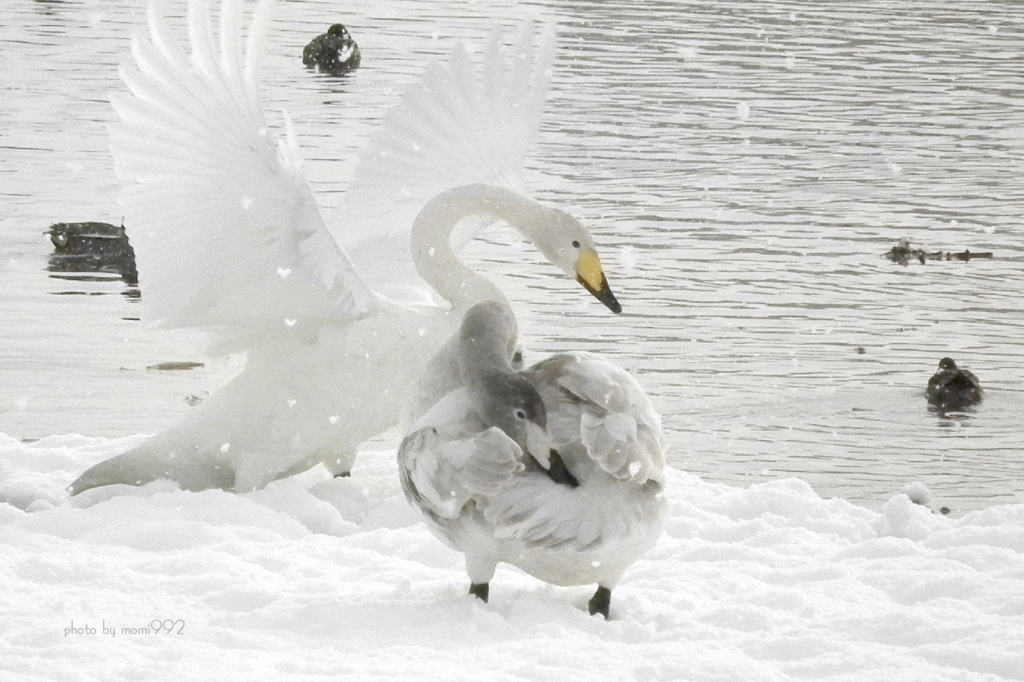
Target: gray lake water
point(743, 165)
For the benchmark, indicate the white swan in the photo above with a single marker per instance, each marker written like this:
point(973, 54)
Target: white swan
point(566, 484)
point(229, 239)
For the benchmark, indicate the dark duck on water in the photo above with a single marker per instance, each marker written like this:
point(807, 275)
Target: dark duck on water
point(92, 247)
point(333, 52)
point(952, 388)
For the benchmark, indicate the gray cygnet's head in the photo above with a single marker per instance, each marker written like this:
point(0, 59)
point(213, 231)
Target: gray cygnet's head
point(511, 403)
point(502, 397)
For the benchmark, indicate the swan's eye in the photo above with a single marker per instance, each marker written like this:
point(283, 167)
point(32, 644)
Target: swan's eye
point(520, 414)
point(575, 244)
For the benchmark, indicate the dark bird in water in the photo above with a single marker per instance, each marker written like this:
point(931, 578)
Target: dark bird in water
point(902, 253)
point(952, 388)
point(92, 247)
point(333, 52)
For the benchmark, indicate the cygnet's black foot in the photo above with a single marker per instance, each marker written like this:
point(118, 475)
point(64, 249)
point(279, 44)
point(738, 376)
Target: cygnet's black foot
point(480, 591)
point(600, 602)
point(558, 472)
point(343, 474)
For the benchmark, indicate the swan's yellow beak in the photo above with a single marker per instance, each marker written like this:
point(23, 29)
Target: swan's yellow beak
point(591, 276)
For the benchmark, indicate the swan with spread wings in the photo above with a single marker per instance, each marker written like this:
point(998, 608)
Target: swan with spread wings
point(332, 325)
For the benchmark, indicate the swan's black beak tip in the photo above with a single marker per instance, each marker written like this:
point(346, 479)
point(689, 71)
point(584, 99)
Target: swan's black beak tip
point(604, 294)
point(590, 274)
point(611, 302)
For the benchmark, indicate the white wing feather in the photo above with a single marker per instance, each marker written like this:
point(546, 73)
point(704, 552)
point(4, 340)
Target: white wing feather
point(601, 406)
point(457, 471)
point(580, 518)
point(224, 225)
point(459, 125)
point(450, 459)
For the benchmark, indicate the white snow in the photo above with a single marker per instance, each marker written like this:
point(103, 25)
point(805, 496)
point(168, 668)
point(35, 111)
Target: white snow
point(316, 578)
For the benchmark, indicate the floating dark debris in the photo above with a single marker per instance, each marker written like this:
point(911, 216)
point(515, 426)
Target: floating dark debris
point(333, 52)
point(175, 366)
point(92, 247)
point(967, 255)
point(902, 253)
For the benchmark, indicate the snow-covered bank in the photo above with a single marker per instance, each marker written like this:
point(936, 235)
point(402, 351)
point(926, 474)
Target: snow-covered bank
point(315, 577)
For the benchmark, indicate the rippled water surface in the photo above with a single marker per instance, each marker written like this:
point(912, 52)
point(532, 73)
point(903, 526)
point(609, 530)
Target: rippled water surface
point(743, 165)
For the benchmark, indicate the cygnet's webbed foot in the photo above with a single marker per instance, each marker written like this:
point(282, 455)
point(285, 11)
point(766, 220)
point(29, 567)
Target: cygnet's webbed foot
point(600, 602)
point(480, 591)
point(558, 472)
point(343, 474)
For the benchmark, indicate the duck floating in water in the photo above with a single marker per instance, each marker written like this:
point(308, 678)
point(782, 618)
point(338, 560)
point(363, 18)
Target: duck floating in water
point(92, 247)
point(333, 52)
point(330, 330)
point(952, 389)
point(902, 253)
point(557, 469)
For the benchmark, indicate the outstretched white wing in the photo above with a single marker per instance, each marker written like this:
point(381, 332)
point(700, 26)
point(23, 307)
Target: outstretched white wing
point(460, 124)
point(225, 228)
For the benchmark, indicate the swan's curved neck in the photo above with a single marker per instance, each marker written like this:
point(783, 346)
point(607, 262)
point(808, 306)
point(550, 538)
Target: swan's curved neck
point(487, 341)
point(436, 261)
